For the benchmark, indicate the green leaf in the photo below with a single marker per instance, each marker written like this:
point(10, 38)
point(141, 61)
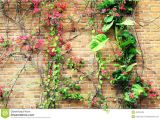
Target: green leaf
point(106, 27)
point(137, 89)
point(126, 43)
point(116, 65)
point(128, 22)
point(130, 67)
point(98, 42)
point(126, 97)
point(108, 19)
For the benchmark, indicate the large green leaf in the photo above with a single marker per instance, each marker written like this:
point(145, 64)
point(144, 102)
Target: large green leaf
point(137, 89)
point(98, 42)
point(128, 22)
point(130, 67)
point(126, 43)
point(108, 19)
point(106, 27)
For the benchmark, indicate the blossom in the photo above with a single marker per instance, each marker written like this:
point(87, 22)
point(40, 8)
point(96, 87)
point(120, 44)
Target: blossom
point(131, 95)
point(51, 51)
point(150, 83)
point(122, 7)
point(36, 10)
point(23, 37)
point(61, 5)
point(152, 92)
point(35, 2)
point(104, 71)
point(104, 10)
point(114, 9)
point(56, 14)
point(152, 95)
point(39, 44)
point(117, 15)
point(68, 46)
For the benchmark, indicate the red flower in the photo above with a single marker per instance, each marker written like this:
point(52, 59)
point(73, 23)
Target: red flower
point(61, 5)
point(68, 46)
point(131, 95)
point(122, 7)
point(152, 92)
point(51, 51)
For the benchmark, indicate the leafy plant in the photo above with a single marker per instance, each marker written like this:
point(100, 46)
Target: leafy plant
point(98, 42)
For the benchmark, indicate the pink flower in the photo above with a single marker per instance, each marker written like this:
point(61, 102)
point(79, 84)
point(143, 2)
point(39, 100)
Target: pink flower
point(104, 71)
point(114, 9)
point(23, 37)
point(36, 2)
point(117, 15)
point(152, 95)
point(39, 44)
point(56, 14)
point(104, 10)
point(36, 10)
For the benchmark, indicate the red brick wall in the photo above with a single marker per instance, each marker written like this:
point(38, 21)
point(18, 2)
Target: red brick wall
point(27, 91)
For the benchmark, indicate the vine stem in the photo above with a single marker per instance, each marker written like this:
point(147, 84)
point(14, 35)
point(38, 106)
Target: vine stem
point(18, 75)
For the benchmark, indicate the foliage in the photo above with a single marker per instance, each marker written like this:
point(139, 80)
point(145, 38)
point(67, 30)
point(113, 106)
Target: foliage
point(115, 17)
point(98, 42)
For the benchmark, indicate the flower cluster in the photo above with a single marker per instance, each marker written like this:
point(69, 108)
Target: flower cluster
point(36, 6)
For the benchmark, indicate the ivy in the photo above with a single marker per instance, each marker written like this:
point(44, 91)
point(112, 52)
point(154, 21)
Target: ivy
point(125, 61)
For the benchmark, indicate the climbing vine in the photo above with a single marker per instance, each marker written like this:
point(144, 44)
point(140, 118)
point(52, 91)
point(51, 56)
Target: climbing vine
point(55, 51)
point(126, 79)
